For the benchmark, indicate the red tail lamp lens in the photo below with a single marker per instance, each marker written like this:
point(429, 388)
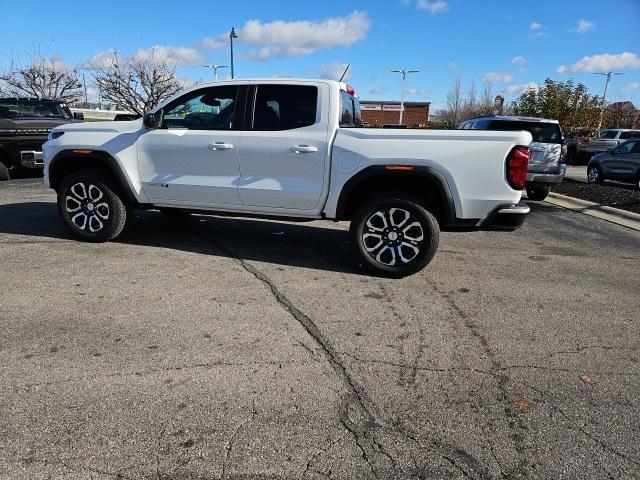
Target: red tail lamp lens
point(517, 166)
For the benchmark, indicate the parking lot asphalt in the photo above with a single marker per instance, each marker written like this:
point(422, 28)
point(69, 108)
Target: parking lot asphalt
point(213, 347)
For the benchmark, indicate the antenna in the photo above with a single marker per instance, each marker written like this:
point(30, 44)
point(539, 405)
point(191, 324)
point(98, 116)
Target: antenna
point(404, 73)
point(345, 72)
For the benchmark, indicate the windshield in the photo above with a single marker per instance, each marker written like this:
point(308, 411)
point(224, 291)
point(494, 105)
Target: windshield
point(541, 132)
point(24, 108)
point(608, 134)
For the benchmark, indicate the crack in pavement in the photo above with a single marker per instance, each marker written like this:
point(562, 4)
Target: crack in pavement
point(356, 409)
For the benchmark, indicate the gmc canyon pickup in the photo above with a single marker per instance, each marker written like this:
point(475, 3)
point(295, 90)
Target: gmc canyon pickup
point(292, 149)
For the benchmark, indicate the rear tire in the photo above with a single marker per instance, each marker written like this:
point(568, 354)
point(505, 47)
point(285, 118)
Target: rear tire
point(594, 175)
point(538, 192)
point(394, 235)
point(92, 206)
point(4, 172)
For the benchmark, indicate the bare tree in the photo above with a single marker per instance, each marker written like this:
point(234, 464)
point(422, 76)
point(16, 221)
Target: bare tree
point(136, 83)
point(486, 105)
point(454, 102)
point(42, 78)
point(470, 106)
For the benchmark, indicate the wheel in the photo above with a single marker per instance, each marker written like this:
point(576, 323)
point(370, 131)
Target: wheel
point(92, 206)
point(394, 235)
point(594, 174)
point(4, 172)
point(538, 192)
point(174, 212)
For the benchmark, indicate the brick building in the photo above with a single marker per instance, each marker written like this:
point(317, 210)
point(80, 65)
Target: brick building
point(377, 113)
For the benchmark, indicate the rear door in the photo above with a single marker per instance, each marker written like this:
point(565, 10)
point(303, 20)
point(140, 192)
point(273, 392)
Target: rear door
point(284, 155)
point(624, 161)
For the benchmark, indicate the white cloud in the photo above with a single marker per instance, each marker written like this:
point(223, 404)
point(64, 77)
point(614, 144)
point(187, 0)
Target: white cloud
point(180, 56)
point(296, 38)
point(332, 71)
point(583, 26)
point(518, 60)
point(414, 92)
point(603, 62)
point(452, 66)
point(535, 26)
point(496, 77)
point(516, 89)
point(432, 7)
point(631, 86)
point(377, 90)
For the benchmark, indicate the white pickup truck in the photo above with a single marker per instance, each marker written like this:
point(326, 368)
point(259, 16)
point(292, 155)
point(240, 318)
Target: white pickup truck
point(291, 149)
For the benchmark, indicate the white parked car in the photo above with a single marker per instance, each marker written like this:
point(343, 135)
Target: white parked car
point(609, 139)
point(290, 148)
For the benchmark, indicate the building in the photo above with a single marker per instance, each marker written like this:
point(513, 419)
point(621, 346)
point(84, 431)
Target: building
point(377, 113)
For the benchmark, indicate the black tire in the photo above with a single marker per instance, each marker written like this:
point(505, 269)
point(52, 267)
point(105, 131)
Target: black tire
point(394, 241)
point(4, 172)
point(538, 192)
point(102, 215)
point(174, 212)
point(594, 174)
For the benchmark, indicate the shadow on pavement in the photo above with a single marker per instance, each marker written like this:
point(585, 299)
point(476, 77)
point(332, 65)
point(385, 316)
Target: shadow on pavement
point(292, 244)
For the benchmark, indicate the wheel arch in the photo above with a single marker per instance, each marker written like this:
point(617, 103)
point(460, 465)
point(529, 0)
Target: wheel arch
point(421, 181)
point(68, 161)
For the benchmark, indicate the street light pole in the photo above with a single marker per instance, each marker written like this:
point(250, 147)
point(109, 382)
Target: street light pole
point(604, 97)
point(215, 69)
point(232, 35)
point(404, 73)
point(84, 82)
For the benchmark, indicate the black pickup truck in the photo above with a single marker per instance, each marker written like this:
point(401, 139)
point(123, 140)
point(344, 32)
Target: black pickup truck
point(24, 126)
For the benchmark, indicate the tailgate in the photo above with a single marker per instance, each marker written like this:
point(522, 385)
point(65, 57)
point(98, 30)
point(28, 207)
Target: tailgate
point(545, 157)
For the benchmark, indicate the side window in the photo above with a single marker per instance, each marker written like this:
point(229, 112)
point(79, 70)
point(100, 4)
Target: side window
point(285, 107)
point(205, 109)
point(625, 148)
point(628, 135)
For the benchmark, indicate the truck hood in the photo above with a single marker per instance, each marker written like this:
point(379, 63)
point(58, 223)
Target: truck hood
point(33, 123)
point(106, 126)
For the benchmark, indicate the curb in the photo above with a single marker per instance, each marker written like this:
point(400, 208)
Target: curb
point(603, 212)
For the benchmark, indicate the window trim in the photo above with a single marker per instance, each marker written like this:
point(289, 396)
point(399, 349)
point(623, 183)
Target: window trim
point(252, 97)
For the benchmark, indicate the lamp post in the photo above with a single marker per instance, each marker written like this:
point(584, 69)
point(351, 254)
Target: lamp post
point(604, 97)
point(215, 69)
point(404, 73)
point(232, 35)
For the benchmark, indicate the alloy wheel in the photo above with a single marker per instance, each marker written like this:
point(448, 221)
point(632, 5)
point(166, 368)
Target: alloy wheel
point(87, 207)
point(593, 175)
point(392, 236)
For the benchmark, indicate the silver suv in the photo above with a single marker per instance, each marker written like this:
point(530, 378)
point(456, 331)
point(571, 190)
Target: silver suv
point(546, 165)
point(610, 138)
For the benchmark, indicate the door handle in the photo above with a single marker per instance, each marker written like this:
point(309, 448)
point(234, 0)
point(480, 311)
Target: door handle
point(304, 149)
point(220, 146)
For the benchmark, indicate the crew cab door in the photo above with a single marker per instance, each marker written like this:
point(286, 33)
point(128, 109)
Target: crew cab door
point(285, 150)
point(192, 159)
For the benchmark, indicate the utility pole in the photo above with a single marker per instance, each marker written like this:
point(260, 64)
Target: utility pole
point(215, 69)
point(232, 35)
point(604, 97)
point(404, 73)
point(84, 82)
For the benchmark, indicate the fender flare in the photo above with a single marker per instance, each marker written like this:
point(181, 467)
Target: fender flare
point(114, 167)
point(418, 170)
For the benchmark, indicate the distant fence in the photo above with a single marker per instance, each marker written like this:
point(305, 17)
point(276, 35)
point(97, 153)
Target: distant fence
point(93, 114)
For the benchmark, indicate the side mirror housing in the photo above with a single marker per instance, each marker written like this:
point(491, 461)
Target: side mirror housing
point(78, 115)
point(151, 120)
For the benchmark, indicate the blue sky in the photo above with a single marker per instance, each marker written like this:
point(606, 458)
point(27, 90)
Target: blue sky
point(507, 43)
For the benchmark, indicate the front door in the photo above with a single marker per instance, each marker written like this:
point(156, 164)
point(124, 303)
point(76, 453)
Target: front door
point(192, 159)
point(283, 159)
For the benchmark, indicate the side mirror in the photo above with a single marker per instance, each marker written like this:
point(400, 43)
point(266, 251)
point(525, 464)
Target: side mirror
point(78, 115)
point(151, 120)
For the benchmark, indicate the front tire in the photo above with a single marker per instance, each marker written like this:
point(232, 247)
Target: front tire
point(538, 192)
point(92, 206)
point(4, 172)
point(594, 175)
point(394, 235)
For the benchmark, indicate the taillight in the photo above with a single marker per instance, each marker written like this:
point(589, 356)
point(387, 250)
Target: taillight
point(517, 166)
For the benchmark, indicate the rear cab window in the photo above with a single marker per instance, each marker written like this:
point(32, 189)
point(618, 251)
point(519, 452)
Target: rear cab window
point(351, 114)
point(609, 134)
point(542, 132)
point(285, 107)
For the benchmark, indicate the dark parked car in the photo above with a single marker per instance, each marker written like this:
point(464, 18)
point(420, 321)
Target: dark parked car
point(621, 163)
point(24, 126)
